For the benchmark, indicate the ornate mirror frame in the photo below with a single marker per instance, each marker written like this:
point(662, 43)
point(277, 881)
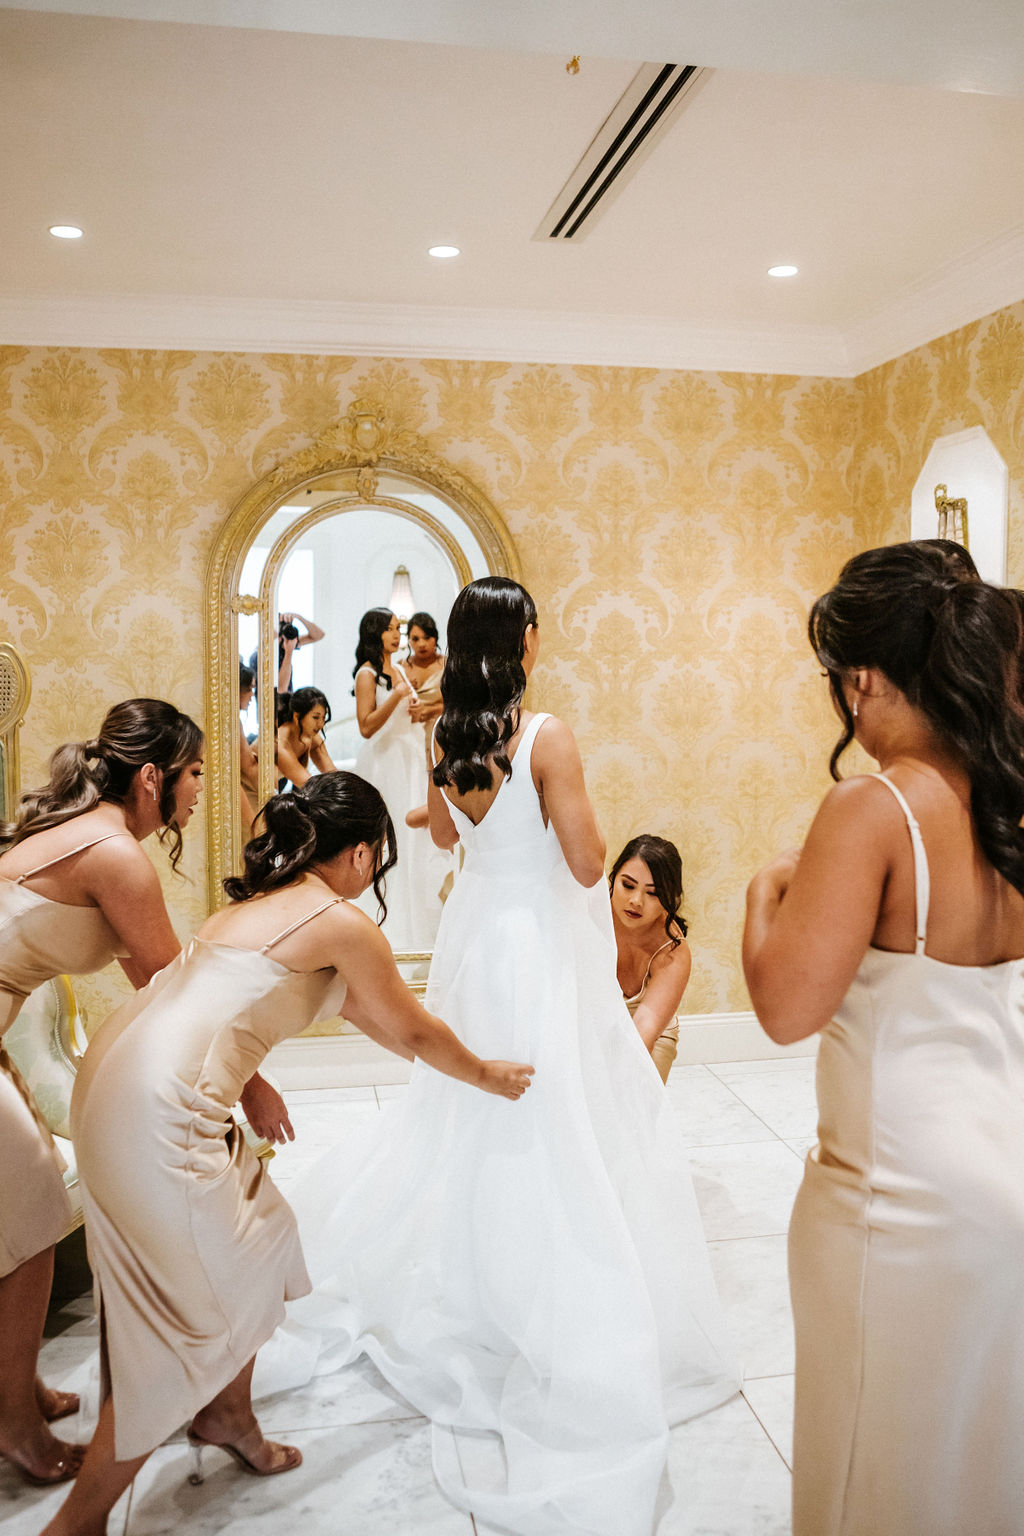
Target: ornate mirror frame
point(352, 455)
point(15, 692)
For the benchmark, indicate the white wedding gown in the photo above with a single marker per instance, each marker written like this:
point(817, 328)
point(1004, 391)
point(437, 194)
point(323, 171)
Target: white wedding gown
point(394, 761)
point(535, 1269)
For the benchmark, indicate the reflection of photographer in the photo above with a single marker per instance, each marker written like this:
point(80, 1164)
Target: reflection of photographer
point(288, 641)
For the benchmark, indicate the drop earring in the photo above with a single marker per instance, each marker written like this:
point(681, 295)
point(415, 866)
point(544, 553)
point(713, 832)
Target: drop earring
point(156, 796)
point(855, 710)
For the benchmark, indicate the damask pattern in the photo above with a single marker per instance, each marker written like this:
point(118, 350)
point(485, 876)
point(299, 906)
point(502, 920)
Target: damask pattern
point(673, 527)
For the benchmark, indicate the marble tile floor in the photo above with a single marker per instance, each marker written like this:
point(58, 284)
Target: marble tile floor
point(366, 1469)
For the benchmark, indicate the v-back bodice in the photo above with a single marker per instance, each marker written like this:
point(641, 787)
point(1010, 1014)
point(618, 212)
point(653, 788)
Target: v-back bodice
point(511, 840)
point(41, 938)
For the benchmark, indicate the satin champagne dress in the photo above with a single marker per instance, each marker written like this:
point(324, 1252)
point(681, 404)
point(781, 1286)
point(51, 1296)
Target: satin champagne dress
point(663, 1053)
point(906, 1253)
point(193, 1250)
point(39, 939)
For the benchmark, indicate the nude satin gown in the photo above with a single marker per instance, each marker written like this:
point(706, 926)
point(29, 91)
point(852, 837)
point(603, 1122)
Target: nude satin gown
point(193, 1250)
point(39, 939)
point(666, 1047)
point(906, 1253)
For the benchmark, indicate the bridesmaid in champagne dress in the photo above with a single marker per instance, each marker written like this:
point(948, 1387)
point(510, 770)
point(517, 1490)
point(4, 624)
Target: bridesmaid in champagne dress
point(424, 669)
point(76, 890)
point(654, 962)
point(194, 1251)
point(898, 933)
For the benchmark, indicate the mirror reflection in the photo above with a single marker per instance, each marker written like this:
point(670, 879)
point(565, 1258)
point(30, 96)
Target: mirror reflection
point(360, 607)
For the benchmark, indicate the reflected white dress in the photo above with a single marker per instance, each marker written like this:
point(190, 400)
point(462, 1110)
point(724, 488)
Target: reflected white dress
point(394, 761)
point(537, 1269)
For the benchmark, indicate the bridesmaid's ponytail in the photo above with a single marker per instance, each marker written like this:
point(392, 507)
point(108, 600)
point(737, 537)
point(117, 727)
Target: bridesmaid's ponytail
point(953, 645)
point(312, 825)
point(84, 773)
point(76, 783)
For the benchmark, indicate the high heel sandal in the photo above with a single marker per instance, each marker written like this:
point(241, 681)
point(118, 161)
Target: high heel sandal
point(293, 1458)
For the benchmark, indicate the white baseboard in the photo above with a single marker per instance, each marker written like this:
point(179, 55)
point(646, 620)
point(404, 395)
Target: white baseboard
point(353, 1061)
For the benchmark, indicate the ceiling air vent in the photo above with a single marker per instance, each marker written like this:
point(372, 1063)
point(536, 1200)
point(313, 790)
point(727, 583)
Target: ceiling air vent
point(640, 116)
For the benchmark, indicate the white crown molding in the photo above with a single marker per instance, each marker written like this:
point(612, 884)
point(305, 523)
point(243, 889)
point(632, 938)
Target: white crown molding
point(396, 330)
point(986, 279)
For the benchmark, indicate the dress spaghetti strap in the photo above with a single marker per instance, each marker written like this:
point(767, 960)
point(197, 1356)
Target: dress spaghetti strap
point(637, 996)
point(922, 880)
point(300, 924)
point(29, 873)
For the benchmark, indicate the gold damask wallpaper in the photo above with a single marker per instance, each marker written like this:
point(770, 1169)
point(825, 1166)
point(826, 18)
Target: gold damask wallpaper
point(673, 527)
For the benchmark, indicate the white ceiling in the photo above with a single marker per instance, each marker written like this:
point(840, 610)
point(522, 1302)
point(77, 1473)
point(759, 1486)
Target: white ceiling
point(243, 185)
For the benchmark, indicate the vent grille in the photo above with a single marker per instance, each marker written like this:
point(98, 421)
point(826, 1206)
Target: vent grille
point(637, 121)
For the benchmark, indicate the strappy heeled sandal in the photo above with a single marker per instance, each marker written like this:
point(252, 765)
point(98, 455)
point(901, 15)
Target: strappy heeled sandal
point(292, 1458)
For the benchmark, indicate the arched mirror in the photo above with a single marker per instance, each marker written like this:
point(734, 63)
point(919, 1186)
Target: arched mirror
point(366, 519)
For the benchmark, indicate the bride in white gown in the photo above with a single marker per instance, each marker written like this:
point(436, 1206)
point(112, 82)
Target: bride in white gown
point(535, 1271)
point(392, 758)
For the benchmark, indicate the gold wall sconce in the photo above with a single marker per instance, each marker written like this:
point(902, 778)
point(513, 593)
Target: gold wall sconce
point(952, 512)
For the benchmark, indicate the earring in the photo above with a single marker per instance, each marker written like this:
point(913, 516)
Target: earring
point(156, 796)
point(855, 711)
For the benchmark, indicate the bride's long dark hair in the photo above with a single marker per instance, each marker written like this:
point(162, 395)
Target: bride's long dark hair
point(371, 643)
point(484, 681)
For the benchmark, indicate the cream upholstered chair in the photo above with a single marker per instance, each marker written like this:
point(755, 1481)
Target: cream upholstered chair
point(45, 1043)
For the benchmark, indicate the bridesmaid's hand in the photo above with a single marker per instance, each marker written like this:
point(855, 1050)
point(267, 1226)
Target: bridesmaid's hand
point(771, 883)
point(266, 1111)
point(508, 1079)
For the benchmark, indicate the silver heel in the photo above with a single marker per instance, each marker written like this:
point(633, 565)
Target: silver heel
point(195, 1477)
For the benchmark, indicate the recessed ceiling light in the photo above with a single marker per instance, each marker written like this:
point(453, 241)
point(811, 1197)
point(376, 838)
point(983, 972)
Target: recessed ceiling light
point(442, 252)
point(66, 231)
point(783, 271)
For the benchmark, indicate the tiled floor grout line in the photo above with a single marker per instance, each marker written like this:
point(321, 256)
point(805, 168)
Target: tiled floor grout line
point(767, 1432)
point(748, 1237)
point(747, 1107)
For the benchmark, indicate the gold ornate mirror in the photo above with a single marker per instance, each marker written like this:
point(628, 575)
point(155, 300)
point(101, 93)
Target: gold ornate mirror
point(15, 692)
point(344, 526)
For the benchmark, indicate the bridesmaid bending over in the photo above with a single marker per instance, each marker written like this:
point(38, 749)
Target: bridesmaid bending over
point(300, 739)
point(193, 1249)
point(654, 958)
point(897, 934)
point(76, 890)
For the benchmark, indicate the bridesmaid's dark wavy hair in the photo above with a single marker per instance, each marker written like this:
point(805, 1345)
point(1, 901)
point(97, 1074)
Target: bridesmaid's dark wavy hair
point(311, 825)
point(371, 644)
point(484, 681)
point(953, 645)
point(300, 703)
point(666, 867)
point(424, 621)
point(83, 774)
